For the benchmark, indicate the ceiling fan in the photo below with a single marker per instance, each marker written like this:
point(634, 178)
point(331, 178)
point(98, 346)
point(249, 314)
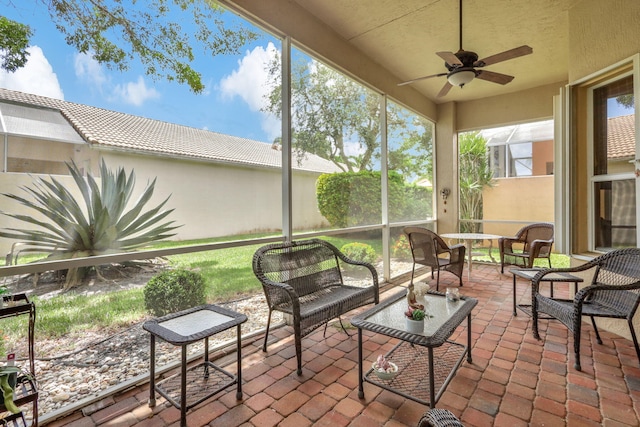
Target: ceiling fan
point(464, 66)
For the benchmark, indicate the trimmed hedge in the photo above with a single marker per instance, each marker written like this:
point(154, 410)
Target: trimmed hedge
point(350, 199)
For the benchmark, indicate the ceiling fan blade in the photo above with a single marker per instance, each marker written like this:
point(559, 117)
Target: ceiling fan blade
point(445, 89)
point(490, 76)
point(421, 78)
point(450, 58)
point(503, 56)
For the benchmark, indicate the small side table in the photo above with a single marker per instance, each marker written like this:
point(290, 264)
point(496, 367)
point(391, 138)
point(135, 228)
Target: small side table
point(529, 274)
point(194, 385)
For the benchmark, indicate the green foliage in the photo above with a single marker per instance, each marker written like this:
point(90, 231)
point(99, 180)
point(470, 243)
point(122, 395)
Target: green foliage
point(116, 33)
point(106, 224)
point(330, 110)
point(174, 290)
point(359, 252)
point(354, 198)
point(418, 314)
point(14, 41)
point(625, 100)
point(475, 174)
point(401, 248)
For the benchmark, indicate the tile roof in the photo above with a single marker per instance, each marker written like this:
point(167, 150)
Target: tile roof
point(621, 137)
point(124, 131)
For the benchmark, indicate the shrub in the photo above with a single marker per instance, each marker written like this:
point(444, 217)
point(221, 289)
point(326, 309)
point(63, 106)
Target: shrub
point(104, 220)
point(174, 290)
point(354, 198)
point(359, 252)
point(401, 248)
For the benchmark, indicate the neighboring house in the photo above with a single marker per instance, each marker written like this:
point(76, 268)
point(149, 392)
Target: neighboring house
point(197, 168)
point(521, 157)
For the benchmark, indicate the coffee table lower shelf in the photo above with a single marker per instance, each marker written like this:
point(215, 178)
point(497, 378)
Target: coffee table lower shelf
point(203, 381)
point(413, 378)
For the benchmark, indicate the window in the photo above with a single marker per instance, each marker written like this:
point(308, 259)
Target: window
point(613, 182)
point(521, 150)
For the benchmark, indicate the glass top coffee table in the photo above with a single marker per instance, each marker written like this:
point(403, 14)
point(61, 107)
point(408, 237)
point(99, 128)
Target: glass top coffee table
point(426, 361)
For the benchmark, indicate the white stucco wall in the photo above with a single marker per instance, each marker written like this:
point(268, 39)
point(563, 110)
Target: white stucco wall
point(210, 200)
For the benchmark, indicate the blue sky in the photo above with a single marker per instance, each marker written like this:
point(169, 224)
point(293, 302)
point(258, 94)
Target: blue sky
point(230, 104)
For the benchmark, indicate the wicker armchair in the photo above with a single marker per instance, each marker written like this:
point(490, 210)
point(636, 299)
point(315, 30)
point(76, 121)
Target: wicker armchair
point(614, 293)
point(427, 248)
point(304, 279)
point(531, 242)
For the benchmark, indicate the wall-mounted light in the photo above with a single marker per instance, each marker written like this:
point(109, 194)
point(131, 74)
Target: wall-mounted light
point(445, 193)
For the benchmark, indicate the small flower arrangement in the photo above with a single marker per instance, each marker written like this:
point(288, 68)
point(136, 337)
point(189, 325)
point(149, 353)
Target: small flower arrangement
point(384, 369)
point(415, 314)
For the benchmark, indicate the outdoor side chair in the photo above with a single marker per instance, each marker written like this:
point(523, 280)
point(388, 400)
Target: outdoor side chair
point(427, 248)
point(614, 293)
point(530, 242)
point(305, 280)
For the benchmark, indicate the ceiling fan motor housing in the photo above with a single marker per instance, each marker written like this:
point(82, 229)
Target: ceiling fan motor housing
point(467, 58)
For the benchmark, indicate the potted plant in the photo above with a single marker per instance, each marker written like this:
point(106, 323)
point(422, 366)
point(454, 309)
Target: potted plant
point(8, 376)
point(384, 369)
point(415, 320)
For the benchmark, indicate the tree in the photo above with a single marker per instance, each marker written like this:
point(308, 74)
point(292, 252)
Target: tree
point(625, 100)
point(115, 32)
point(14, 40)
point(475, 174)
point(107, 223)
point(329, 109)
point(414, 156)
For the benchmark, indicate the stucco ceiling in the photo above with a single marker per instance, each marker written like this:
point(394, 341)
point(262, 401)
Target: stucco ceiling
point(404, 36)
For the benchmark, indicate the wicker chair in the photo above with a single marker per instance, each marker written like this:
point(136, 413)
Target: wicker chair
point(614, 293)
point(436, 417)
point(531, 242)
point(427, 248)
point(304, 279)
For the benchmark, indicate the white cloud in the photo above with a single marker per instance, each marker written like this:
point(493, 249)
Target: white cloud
point(36, 77)
point(92, 73)
point(136, 93)
point(250, 82)
point(89, 70)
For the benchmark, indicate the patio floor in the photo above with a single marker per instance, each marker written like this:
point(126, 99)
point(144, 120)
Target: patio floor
point(514, 380)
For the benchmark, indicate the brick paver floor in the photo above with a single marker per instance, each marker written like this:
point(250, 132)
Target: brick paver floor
point(514, 380)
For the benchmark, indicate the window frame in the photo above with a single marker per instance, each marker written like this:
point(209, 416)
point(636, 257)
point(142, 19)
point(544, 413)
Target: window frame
point(592, 178)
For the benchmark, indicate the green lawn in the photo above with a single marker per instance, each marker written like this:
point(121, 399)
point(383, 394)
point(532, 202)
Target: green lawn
point(228, 275)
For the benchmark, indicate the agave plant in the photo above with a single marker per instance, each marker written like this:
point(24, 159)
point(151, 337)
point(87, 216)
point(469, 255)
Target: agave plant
point(107, 223)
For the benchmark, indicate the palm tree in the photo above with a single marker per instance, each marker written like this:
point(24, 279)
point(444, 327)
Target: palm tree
point(475, 174)
point(106, 224)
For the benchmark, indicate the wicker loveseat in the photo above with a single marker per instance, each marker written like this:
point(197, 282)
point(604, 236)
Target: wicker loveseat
point(304, 279)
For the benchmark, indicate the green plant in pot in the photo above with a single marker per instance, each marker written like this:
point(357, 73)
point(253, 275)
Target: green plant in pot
point(415, 314)
point(8, 376)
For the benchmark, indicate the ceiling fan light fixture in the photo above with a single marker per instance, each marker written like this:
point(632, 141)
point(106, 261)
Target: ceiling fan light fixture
point(461, 78)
